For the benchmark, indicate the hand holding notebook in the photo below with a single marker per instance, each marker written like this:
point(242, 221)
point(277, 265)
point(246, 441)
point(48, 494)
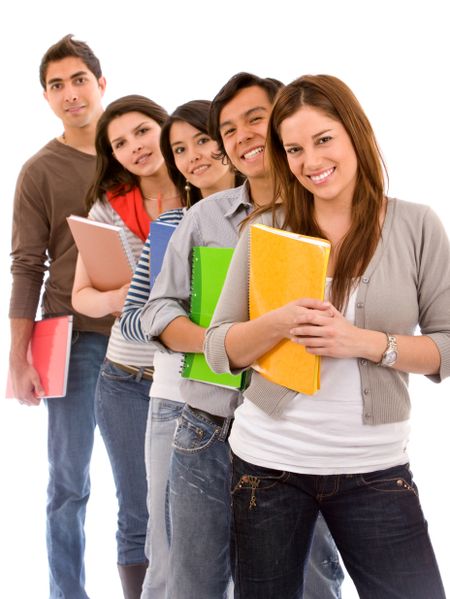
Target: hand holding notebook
point(284, 267)
point(105, 251)
point(49, 354)
point(209, 269)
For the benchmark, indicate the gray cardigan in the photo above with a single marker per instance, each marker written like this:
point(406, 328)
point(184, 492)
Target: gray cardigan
point(406, 284)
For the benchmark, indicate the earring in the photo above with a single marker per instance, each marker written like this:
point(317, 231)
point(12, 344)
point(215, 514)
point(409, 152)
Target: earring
point(187, 189)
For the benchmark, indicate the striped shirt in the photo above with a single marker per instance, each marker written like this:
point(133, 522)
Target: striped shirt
point(139, 291)
point(121, 350)
point(166, 378)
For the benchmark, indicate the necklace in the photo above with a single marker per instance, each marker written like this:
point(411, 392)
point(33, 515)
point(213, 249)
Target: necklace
point(159, 198)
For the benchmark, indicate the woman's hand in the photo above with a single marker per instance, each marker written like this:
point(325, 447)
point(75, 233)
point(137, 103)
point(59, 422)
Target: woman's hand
point(298, 312)
point(324, 331)
point(117, 299)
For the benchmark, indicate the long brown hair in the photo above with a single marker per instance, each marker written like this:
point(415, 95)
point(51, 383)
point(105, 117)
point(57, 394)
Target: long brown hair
point(332, 97)
point(110, 175)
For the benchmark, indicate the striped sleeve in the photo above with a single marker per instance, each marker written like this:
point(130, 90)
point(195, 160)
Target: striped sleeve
point(139, 291)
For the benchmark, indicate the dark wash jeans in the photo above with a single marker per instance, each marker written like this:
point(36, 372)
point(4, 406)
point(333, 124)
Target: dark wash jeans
point(375, 519)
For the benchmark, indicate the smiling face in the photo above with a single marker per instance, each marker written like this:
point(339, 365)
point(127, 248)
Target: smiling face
point(320, 155)
point(73, 92)
point(134, 139)
point(243, 128)
point(193, 154)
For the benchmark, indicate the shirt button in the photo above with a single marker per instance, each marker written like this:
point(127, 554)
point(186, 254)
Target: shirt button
point(365, 279)
point(360, 305)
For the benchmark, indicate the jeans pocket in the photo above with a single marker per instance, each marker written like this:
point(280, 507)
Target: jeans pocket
point(110, 372)
point(249, 477)
point(165, 410)
point(391, 480)
point(191, 437)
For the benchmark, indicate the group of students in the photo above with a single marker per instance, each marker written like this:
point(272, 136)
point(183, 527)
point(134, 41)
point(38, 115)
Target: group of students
point(226, 493)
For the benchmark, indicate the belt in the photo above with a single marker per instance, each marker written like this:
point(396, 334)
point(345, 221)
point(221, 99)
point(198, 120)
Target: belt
point(146, 373)
point(219, 420)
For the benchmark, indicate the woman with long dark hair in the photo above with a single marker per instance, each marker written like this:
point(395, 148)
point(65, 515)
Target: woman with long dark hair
point(132, 187)
point(191, 158)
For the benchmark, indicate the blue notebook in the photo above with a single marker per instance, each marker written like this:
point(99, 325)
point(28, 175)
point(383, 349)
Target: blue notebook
point(160, 234)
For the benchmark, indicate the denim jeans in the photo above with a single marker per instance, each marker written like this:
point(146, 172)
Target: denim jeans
point(121, 408)
point(375, 519)
point(71, 425)
point(161, 425)
point(200, 508)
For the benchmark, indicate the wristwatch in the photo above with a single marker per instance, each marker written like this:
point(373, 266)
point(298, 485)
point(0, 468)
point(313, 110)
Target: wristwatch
point(390, 355)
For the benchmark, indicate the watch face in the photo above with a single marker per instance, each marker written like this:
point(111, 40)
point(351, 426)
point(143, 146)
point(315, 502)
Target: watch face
point(390, 358)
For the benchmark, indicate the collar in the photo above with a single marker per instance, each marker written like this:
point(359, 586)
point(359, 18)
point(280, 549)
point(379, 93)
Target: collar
point(242, 200)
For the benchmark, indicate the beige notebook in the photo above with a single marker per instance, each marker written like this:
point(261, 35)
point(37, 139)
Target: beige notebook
point(105, 251)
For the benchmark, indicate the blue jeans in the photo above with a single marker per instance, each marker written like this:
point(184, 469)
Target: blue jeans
point(71, 425)
point(161, 425)
point(121, 408)
point(200, 508)
point(375, 519)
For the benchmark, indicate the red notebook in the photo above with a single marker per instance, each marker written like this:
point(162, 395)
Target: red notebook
point(49, 352)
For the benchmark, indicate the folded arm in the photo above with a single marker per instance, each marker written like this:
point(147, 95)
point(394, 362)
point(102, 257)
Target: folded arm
point(92, 302)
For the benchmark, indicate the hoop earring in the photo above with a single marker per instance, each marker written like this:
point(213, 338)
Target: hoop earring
point(187, 189)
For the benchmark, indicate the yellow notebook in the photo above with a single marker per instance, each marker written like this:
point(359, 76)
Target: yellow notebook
point(285, 266)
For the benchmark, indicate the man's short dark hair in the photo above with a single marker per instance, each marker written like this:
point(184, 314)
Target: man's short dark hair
point(228, 92)
point(65, 48)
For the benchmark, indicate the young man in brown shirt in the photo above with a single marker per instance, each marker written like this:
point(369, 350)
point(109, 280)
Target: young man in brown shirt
point(52, 185)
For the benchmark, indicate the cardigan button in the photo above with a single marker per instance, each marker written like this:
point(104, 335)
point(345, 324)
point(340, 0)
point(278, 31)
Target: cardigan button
point(360, 305)
point(365, 279)
point(363, 362)
point(366, 392)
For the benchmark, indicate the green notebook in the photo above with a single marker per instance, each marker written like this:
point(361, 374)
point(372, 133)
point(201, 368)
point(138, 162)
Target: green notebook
point(209, 269)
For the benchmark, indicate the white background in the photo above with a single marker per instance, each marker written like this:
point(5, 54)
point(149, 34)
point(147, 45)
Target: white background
point(393, 54)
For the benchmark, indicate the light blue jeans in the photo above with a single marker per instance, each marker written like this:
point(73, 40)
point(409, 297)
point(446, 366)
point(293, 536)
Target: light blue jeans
point(121, 408)
point(71, 425)
point(161, 425)
point(200, 508)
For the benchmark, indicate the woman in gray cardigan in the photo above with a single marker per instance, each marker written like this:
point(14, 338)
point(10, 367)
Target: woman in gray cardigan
point(342, 451)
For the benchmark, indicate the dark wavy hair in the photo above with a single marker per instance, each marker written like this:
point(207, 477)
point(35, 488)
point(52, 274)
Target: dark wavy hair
point(333, 98)
point(65, 48)
point(228, 92)
point(195, 113)
point(110, 175)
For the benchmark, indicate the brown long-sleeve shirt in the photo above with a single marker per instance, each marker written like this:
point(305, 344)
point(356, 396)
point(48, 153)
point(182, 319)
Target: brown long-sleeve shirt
point(51, 185)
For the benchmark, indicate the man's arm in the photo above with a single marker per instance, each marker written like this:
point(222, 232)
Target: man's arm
point(183, 335)
point(30, 238)
point(25, 380)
